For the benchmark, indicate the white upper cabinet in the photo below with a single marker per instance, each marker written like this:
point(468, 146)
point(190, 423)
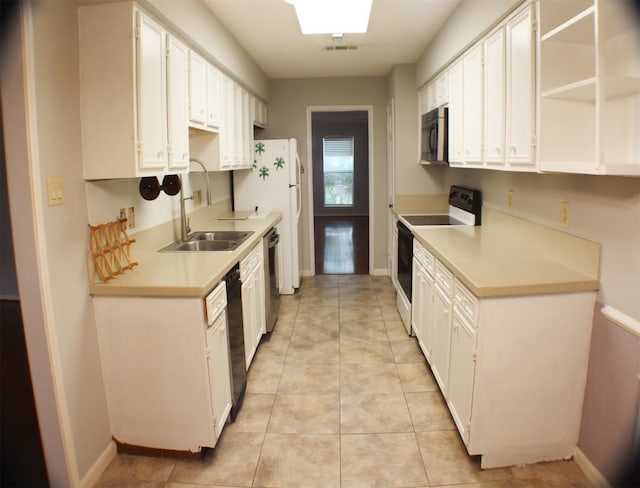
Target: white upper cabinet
point(456, 103)
point(152, 94)
point(123, 87)
point(589, 78)
point(258, 112)
point(214, 97)
point(520, 94)
point(177, 100)
point(231, 146)
point(205, 98)
point(472, 92)
point(197, 88)
point(494, 114)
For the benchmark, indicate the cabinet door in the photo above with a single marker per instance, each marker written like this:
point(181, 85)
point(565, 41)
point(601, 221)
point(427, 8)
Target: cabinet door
point(249, 318)
point(178, 104)
point(214, 97)
point(197, 88)
point(423, 102)
point(152, 94)
point(219, 372)
point(494, 98)
point(472, 101)
point(519, 89)
point(441, 341)
point(461, 374)
point(442, 89)
point(260, 284)
point(416, 299)
point(247, 131)
point(427, 315)
point(456, 110)
point(228, 129)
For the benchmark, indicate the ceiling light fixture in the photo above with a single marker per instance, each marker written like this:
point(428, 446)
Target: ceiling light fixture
point(332, 16)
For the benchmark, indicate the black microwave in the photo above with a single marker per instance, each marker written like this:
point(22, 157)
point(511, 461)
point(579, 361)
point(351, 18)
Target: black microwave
point(434, 144)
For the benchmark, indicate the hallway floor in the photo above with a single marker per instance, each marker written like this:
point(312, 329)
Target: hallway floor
point(339, 396)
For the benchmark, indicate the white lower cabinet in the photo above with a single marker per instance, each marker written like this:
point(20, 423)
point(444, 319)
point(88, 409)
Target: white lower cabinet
point(441, 327)
point(219, 371)
point(166, 369)
point(253, 301)
point(512, 369)
point(462, 366)
point(423, 298)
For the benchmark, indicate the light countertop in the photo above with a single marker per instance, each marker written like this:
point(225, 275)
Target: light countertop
point(186, 274)
point(507, 256)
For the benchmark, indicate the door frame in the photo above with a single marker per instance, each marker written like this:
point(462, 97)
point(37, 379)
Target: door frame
point(338, 108)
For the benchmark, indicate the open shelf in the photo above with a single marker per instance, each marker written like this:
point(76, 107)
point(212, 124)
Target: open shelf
point(557, 12)
point(579, 91)
point(577, 30)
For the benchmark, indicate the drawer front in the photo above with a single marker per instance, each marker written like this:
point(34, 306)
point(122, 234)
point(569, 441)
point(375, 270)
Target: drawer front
point(424, 257)
point(465, 303)
point(444, 279)
point(429, 262)
point(215, 302)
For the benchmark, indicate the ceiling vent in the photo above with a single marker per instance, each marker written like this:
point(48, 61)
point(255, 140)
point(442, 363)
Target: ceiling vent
point(340, 48)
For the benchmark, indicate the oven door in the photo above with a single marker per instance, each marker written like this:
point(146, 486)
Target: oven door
point(404, 270)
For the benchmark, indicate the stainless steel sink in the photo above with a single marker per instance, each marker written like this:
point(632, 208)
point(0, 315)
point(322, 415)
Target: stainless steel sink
point(220, 235)
point(207, 241)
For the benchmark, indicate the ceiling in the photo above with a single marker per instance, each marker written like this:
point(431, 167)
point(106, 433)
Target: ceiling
point(399, 31)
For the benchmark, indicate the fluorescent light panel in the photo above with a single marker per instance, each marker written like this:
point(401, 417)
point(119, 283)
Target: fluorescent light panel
point(332, 16)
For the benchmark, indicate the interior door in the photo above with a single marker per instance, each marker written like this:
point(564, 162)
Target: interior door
point(331, 132)
point(391, 174)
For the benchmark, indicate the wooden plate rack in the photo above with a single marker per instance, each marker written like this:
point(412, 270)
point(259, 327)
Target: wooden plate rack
point(111, 248)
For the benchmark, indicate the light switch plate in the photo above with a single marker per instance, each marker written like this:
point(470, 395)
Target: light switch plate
point(55, 190)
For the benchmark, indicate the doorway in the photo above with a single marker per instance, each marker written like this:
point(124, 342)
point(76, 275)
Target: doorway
point(340, 162)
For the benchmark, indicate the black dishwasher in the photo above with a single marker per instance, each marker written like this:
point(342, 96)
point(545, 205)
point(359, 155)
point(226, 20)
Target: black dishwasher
point(236, 339)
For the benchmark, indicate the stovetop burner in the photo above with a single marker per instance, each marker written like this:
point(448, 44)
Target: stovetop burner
point(438, 219)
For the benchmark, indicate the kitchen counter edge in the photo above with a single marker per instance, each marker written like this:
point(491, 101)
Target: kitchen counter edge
point(186, 274)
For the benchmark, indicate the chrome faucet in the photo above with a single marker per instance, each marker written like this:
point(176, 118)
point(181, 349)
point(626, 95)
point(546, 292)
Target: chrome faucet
point(184, 221)
point(206, 175)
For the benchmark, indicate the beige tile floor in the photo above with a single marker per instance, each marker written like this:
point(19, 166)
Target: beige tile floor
point(339, 396)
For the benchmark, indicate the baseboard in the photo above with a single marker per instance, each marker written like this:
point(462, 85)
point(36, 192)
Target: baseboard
point(590, 471)
point(93, 475)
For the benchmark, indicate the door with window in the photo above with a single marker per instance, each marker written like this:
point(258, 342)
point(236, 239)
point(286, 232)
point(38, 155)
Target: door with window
point(340, 163)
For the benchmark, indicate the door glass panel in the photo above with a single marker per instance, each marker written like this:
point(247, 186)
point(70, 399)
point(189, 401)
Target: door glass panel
point(337, 153)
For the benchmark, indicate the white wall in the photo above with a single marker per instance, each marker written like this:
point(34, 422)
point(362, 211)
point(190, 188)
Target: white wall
point(106, 197)
point(51, 242)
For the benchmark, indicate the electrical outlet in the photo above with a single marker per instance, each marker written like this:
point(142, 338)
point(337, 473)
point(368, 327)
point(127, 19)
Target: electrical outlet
point(564, 214)
point(123, 214)
point(510, 199)
point(131, 217)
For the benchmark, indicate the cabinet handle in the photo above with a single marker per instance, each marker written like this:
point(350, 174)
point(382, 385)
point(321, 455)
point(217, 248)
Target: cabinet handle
point(513, 149)
point(184, 155)
point(160, 154)
point(497, 150)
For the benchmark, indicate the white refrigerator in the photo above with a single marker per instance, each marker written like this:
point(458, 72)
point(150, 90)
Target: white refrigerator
point(273, 185)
